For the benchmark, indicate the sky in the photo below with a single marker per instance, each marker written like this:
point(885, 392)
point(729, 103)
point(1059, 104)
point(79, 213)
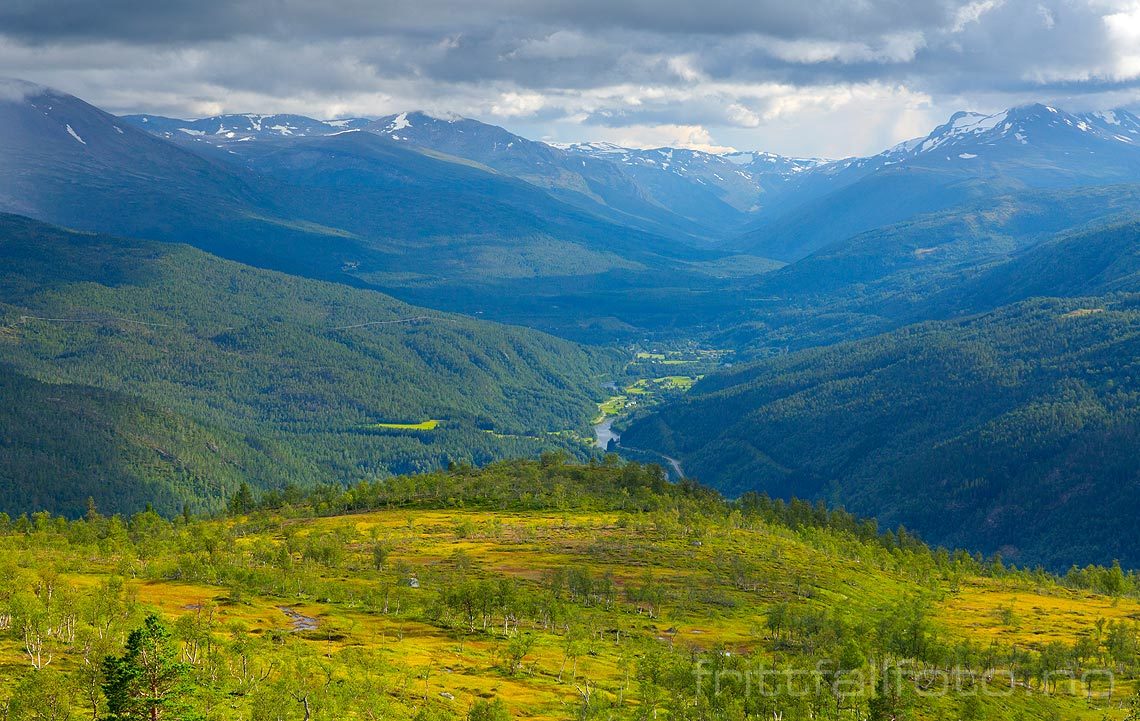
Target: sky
point(827, 78)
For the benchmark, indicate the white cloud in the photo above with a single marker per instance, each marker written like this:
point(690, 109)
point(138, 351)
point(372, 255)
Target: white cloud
point(15, 91)
point(513, 104)
point(892, 48)
point(1113, 58)
point(695, 137)
point(560, 45)
point(685, 68)
point(1123, 29)
point(742, 116)
point(770, 75)
point(972, 12)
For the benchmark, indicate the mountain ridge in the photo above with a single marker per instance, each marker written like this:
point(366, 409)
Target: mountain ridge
point(434, 229)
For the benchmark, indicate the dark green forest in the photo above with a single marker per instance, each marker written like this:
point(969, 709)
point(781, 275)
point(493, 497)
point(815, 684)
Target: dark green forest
point(248, 373)
point(1013, 431)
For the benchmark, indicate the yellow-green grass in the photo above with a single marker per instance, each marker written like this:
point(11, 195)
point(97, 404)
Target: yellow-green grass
point(681, 383)
point(704, 607)
point(642, 391)
point(612, 406)
point(992, 610)
point(428, 425)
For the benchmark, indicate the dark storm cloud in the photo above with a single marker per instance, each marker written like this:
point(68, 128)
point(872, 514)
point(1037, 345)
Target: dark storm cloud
point(179, 20)
point(653, 67)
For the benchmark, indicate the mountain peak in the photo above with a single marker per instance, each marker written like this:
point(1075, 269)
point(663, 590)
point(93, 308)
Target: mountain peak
point(969, 134)
point(409, 118)
point(14, 90)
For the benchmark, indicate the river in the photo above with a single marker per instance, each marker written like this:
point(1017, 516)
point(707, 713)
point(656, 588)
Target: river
point(604, 433)
point(676, 467)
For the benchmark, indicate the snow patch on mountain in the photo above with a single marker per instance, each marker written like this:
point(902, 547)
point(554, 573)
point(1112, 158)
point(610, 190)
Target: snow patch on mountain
point(962, 125)
point(399, 123)
point(75, 135)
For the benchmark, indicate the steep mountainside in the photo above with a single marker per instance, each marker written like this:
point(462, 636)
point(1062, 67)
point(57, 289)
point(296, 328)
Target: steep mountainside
point(309, 381)
point(70, 162)
point(937, 266)
point(1093, 262)
point(687, 179)
point(590, 183)
point(1014, 431)
point(64, 443)
point(670, 191)
point(220, 129)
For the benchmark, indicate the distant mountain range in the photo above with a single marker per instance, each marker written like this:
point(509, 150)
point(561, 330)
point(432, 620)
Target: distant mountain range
point(689, 188)
point(590, 241)
point(969, 158)
point(759, 203)
point(357, 208)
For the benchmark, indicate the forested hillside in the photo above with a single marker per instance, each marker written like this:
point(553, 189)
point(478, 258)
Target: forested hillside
point(549, 591)
point(1012, 431)
point(1087, 262)
point(296, 380)
point(63, 444)
point(972, 258)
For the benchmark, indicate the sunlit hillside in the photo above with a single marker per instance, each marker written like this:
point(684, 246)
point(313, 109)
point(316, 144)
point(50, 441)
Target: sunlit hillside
point(560, 591)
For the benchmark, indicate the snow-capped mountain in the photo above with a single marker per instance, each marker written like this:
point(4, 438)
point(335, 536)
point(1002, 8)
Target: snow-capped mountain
point(734, 185)
point(418, 127)
point(759, 162)
point(710, 195)
point(469, 139)
point(971, 156)
point(665, 189)
point(596, 181)
point(1120, 124)
point(351, 204)
point(68, 162)
point(223, 128)
point(741, 179)
point(968, 141)
point(1026, 129)
point(663, 203)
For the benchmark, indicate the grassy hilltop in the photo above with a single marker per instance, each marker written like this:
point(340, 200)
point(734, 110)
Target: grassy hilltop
point(537, 589)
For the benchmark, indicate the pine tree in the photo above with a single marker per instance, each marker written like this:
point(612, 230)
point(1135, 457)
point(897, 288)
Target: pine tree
point(92, 510)
point(242, 502)
point(147, 682)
